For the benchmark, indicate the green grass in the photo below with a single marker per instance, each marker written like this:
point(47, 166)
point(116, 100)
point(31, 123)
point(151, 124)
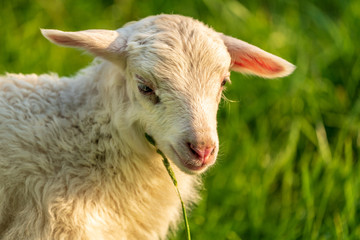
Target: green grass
point(290, 148)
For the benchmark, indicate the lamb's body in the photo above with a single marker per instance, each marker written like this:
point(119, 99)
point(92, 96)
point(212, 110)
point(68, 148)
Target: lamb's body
point(69, 173)
point(74, 162)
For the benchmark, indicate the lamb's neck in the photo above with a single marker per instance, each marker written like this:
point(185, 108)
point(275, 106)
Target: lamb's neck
point(90, 92)
point(102, 108)
point(128, 131)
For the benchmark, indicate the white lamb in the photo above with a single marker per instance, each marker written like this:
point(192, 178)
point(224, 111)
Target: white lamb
point(74, 162)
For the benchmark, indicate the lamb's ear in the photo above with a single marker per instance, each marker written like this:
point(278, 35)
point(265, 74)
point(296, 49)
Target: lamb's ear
point(248, 59)
point(104, 43)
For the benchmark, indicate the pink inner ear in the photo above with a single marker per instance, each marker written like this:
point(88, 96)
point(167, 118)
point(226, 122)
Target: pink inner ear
point(258, 65)
point(64, 40)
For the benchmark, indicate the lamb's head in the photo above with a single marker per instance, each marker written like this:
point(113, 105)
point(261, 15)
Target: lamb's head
point(176, 69)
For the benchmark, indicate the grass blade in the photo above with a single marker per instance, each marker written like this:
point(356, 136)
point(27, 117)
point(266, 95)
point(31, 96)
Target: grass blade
point(173, 178)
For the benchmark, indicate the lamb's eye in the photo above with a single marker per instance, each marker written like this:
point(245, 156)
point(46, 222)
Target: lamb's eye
point(226, 79)
point(144, 89)
point(147, 90)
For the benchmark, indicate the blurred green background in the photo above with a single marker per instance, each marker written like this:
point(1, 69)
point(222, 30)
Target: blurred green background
point(289, 164)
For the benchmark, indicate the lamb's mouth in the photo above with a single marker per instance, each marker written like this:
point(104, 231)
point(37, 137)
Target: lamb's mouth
point(188, 165)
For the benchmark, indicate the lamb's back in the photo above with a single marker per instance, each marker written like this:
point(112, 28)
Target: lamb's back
point(34, 127)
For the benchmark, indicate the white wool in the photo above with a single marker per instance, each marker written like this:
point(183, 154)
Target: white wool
point(74, 162)
point(67, 173)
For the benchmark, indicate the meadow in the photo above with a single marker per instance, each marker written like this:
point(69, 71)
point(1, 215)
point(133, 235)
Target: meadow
point(290, 148)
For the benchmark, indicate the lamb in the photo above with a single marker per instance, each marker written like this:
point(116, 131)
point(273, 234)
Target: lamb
point(74, 162)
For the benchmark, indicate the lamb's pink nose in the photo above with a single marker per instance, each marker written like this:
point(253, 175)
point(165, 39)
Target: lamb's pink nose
point(203, 152)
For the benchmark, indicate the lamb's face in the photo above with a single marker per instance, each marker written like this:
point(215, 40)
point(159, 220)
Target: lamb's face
point(177, 83)
point(176, 68)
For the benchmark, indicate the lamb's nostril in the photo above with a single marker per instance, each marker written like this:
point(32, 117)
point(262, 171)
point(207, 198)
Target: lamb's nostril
point(192, 149)
point(202, 152)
